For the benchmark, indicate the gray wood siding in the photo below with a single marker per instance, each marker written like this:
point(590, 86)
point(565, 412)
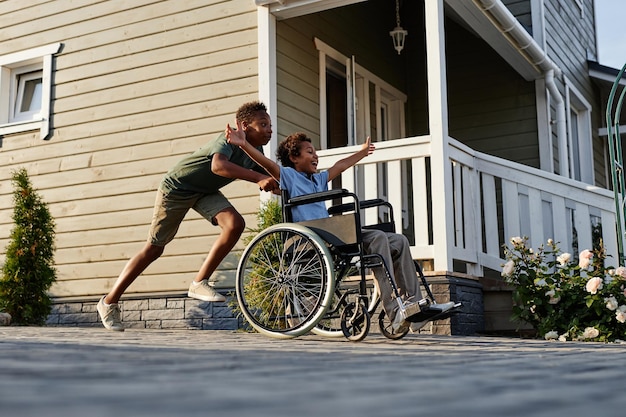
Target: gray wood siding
point(521, 9)
point(491, 107)
point(570, 39)
point(137, 85)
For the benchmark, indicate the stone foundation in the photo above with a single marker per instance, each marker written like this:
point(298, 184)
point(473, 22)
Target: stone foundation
point(180, 312)
point(151, 312)
point(463, 289)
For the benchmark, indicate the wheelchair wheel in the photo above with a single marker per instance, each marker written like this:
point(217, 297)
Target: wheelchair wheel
point(345, 293)
point(284, 281)
point(386, 329)
point(330, 324)
point(355, 322)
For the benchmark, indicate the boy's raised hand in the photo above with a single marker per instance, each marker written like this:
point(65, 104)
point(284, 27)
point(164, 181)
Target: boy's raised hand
point(236, 137)
point(369, 146)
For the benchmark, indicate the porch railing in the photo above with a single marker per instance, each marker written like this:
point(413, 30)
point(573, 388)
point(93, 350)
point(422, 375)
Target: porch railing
point(493, 200)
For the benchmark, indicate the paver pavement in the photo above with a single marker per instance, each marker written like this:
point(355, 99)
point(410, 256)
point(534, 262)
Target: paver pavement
point(53, 371)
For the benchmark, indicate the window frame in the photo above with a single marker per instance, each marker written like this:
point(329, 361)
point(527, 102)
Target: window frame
point(20, 77)
point(11, 67)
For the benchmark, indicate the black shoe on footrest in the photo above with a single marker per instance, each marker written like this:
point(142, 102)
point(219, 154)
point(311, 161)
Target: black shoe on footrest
point(435, 312)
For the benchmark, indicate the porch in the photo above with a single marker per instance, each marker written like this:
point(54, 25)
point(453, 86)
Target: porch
point(459, 211)
point(487, 200)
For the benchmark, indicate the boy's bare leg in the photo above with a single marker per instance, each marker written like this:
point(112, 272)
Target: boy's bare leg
point(135, 266)
point(232, 225)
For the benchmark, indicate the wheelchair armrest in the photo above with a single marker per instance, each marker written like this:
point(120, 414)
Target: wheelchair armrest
point(374, 203)
point(315, 197)
point(342, 208)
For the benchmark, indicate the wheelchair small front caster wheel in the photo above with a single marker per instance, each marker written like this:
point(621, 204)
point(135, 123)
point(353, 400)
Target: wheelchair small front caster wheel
point(386, 328)
point(355, 321)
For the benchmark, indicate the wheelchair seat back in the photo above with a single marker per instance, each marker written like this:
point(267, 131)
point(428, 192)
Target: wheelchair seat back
point(338, 231)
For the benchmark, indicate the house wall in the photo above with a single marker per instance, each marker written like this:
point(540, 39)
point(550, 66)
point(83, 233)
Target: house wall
point(355, 30)
point(137, 85)
point(492, 108)
point(570, 40)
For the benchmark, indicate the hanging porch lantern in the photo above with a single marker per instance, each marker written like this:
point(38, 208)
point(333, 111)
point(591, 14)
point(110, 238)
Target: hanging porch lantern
point(398, 34)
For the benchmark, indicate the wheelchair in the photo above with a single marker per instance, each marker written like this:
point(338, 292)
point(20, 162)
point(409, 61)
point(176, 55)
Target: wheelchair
point(295, 278)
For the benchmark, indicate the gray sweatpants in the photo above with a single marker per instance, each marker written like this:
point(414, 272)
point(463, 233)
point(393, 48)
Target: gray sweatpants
point(394, 249)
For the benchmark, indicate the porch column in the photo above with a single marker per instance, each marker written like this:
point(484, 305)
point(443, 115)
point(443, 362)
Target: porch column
point(443, 229)
point(266, 30)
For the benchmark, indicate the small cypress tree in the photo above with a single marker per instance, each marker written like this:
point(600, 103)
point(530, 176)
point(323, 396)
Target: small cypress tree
point(28, 271)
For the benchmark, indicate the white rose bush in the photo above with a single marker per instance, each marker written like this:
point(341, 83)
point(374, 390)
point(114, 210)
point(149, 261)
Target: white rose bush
point(566, 298)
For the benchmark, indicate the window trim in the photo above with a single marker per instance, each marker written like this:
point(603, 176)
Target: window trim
point(10, 66)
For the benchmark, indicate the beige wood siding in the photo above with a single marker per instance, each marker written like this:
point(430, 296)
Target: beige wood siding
point(137, 85)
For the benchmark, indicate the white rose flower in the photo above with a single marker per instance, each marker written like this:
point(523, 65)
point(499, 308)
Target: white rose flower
point(585, 258)
point(593, 285)
point(551, 335)
point(508, 268)
point(611, 303)
point(620, 316)
point(591, 333)
point(621, 272)
point(517, 241)
point(551, 294)
point(564, 258)
point(563, 337)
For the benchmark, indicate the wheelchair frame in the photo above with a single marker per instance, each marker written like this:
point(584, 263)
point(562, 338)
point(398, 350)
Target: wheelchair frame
point(293, 277)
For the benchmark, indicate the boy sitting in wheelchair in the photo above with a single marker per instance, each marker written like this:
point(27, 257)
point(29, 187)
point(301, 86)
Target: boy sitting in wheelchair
point(298, 175)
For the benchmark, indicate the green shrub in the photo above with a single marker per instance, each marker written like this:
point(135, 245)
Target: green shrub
point(28, 271)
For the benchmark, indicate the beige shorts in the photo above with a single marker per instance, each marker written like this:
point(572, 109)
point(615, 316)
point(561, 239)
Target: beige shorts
point(170, 210)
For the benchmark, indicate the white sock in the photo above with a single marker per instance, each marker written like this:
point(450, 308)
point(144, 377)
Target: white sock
point(195, 284)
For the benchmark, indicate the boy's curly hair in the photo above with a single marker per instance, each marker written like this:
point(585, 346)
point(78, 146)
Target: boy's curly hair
point(290, 147)
point(247, 111)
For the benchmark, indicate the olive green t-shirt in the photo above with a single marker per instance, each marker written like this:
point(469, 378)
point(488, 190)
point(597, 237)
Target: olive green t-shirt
point(193, 173)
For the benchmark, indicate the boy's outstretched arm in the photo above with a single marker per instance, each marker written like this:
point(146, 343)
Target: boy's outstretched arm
point(345, 163)
point(238, 138)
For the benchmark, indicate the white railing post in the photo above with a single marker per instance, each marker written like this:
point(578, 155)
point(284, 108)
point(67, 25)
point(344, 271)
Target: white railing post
point(438, 122)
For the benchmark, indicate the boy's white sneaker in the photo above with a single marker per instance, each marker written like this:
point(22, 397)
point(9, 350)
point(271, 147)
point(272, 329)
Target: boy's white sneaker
point(205, 292)
point(110, 315)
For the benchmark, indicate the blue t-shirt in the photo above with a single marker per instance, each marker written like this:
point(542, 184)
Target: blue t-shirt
point(299, 183)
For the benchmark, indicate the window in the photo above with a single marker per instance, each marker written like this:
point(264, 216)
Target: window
point(28, 96)
point(579, 136)
point(25, 89)
point(349, 94)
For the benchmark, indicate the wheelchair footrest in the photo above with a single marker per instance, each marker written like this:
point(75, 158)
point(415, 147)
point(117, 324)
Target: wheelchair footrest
point(432, 314)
